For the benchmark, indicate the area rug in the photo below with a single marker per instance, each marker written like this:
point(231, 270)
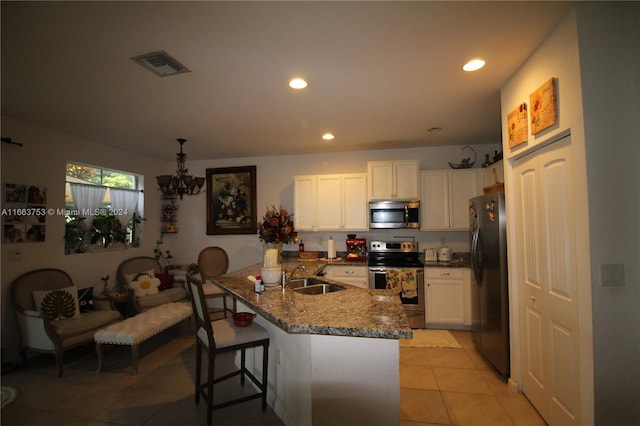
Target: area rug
point(9, 395)
point(431, 339)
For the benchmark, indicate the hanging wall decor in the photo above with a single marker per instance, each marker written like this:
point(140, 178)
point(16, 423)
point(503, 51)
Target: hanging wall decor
point(24, 213)
point(517, 125)
point(544, 109)
point(231, 200)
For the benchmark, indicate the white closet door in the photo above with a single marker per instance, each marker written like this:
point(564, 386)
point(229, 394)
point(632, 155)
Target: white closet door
point(547, 282)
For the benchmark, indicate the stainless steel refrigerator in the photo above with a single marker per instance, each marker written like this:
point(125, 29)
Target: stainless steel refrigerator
point(489, 292)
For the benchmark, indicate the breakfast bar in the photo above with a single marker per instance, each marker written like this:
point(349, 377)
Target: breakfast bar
point(334, 358)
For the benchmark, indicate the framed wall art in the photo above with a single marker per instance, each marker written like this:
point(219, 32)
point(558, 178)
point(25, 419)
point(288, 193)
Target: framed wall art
point(231, 200)
point(543, 105)
point(517, 125)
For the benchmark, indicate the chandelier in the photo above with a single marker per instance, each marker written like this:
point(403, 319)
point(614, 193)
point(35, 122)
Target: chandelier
point(182, 183)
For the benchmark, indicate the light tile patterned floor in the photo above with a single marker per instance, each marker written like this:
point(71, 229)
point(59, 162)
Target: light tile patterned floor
point(438, 387)
point(445, 386)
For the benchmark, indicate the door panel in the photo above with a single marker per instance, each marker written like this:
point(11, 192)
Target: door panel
point(547, 282)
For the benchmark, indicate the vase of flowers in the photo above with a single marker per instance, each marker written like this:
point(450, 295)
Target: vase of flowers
point(276, 229)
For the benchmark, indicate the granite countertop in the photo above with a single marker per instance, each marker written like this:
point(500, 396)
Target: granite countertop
point(354, 312)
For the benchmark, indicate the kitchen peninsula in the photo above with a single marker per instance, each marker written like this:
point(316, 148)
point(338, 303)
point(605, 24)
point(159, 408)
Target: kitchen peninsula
point(333, 358)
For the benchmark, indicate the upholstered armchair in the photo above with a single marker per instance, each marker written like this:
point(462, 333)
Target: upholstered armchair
point(169, 291)
point(48, 312)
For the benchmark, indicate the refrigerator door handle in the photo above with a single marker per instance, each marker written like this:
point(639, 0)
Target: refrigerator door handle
point(476, 265)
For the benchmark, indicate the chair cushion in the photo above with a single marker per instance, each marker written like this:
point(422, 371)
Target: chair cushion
point(61, 303)
point(174, 294)
point(211, 289)
point(87, 322)
point(226, 334)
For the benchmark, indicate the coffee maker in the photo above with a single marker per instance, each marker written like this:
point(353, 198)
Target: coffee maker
point(356, 248)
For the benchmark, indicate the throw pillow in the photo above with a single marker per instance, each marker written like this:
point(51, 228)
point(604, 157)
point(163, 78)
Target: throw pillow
point(166, 281)
point(132, 277)
point(61, 303)
point(85, 300)
point(144, 284)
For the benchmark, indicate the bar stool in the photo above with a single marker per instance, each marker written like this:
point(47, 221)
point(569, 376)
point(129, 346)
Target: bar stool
point(217, 337)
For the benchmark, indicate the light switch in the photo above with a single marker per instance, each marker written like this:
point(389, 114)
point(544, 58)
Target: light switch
point(612, 275)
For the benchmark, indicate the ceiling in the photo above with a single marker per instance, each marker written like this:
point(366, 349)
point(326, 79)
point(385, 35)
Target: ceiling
point(380, 73)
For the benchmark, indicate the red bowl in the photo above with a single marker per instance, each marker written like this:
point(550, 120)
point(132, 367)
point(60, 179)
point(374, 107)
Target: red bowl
point(243, 319)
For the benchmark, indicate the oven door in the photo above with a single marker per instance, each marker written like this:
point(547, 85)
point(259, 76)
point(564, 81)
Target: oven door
point(383, 277)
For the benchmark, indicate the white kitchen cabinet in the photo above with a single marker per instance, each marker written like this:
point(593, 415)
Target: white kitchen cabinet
point(331, 202)
point(391, 180)
point(448, 297)
point(444, 201)
point(355, 275)
point(304, 201)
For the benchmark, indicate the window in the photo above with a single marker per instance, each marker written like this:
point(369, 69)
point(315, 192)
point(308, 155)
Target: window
point(103, 207)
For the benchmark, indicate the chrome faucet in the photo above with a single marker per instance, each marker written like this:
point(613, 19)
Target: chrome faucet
point(294, 270)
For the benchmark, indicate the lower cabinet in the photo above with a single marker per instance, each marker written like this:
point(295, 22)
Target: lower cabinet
point(355, 275)
point(448, 297)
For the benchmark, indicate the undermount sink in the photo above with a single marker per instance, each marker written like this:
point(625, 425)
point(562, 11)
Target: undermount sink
point(313, 285)
point(319, 289)
point(304, 282)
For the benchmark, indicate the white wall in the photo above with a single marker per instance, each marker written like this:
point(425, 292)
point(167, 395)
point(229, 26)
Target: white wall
point(609, 39)
point(41, 161)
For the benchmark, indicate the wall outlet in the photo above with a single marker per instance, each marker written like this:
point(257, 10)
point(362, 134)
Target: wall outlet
point(612, 275)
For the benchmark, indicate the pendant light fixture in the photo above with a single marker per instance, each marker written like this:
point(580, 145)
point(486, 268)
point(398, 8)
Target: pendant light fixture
point(182, 183)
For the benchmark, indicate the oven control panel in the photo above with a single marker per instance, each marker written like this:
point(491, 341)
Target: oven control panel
point(393, 246)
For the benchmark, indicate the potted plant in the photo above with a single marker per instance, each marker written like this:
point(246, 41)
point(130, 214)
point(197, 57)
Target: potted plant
point(107, 230)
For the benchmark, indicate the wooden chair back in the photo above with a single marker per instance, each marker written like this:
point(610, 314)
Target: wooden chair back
point(212, 262)
point(204, 330)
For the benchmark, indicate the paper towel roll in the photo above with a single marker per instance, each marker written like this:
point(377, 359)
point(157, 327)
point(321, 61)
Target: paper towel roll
point(331, 250)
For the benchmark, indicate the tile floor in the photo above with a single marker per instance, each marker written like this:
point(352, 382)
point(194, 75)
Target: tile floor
point(438, 387)
point(446, 386)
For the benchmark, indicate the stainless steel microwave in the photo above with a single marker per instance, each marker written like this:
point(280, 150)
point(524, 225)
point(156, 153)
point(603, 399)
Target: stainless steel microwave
point(394, 214)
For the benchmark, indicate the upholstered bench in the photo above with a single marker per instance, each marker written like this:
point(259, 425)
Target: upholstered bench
point(137, 329)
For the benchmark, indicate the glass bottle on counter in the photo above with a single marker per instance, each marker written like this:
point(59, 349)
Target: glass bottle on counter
point(301, 246)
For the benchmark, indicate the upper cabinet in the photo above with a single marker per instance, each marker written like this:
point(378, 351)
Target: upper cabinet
point(391, 180)
point(331, 202)
point(445, 198)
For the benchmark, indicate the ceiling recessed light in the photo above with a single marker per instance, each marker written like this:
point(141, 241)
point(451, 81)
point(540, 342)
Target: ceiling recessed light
point(298, 83)
point(473, 65)
point(328, 136)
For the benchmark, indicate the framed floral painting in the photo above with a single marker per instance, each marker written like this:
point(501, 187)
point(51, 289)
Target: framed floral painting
point(231, 200)
point(544, 108)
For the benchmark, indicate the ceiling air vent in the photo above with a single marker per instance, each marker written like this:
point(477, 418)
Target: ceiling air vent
point(160, 63)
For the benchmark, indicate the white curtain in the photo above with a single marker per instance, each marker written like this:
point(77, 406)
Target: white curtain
point(124, 203)
point(88, 198)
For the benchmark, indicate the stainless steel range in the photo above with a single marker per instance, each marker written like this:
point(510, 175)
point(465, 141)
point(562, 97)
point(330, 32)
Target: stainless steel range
point(397, 266)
